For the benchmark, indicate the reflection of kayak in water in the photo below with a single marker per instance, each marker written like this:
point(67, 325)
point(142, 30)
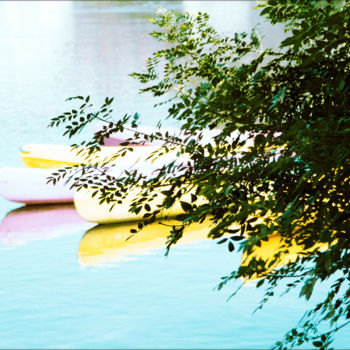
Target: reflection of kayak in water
point(273, 246)
point(25, 185)
point(39, 222)
point(114, 242)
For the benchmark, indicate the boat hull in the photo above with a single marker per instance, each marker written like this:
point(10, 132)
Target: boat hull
point(29, 186)
point(47, 156)
point(91, 210)
point(116, 138)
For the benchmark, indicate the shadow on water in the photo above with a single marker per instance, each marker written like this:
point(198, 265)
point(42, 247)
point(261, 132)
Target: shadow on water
point(40, 222)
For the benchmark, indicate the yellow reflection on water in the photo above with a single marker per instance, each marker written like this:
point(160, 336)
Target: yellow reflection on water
point(277, 252)
point(114, 242)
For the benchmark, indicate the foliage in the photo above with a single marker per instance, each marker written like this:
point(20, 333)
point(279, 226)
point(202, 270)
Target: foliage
point(279, 164)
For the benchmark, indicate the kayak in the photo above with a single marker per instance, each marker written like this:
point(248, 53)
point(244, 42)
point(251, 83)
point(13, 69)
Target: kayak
point(39, 222)
point(114, 242)
point(29, 186)
point(91, 210)
point(48, 156)
point(116, 138)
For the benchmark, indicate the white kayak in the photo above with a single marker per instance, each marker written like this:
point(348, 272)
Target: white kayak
point(29, 186)
point(116, 138)
point(49, 156)
point(90, 209)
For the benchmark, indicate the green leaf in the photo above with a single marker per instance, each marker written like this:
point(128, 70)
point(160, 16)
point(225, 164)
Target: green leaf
point(260, 283)
point(222, 241)
point(231, 247)
point(237, 238)
point(228, 189)
point(187, 207)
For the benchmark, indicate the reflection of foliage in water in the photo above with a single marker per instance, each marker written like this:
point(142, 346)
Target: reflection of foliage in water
point(281, 162)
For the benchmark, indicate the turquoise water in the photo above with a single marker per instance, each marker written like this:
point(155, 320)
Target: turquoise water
point(48, 297)
point(49, 300)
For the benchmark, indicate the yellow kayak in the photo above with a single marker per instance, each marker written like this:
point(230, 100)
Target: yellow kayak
point(90, 208)
point(48, 156)
point(114, 242)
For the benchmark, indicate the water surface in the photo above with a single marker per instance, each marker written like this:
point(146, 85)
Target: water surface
point(50, 296)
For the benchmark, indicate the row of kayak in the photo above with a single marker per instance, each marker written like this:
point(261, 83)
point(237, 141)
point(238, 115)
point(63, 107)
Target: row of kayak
point(103, 243)
point(48, 217)
point(29, 184)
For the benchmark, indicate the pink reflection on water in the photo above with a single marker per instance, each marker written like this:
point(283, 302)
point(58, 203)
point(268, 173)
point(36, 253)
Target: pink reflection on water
point(40, 222)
